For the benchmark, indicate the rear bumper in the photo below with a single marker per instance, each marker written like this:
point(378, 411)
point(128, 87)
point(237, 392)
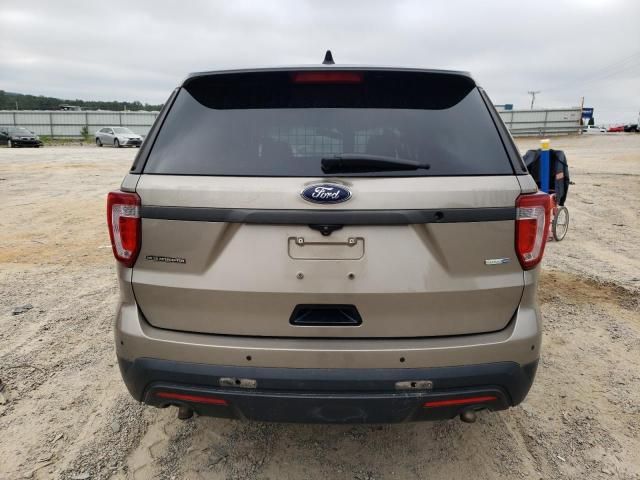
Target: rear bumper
point(519, 342)
point(334, 380)
point(328, 395)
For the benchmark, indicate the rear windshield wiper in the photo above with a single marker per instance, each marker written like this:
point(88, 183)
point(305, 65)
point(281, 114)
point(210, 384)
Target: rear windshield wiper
point(361, 162)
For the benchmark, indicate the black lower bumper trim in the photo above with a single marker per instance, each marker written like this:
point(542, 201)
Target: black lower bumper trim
point(327, 395)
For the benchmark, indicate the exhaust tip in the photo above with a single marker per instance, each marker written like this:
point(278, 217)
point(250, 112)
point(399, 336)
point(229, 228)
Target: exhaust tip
point(184, 413)
point(468, 416)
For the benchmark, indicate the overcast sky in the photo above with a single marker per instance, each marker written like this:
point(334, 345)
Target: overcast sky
point(140, 50)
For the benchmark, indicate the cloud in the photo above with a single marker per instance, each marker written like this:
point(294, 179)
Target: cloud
point(140, 50)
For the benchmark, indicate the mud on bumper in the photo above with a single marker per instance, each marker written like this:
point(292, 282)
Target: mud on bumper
point(327, 395)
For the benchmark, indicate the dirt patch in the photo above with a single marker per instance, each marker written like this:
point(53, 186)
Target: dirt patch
point(585, 291)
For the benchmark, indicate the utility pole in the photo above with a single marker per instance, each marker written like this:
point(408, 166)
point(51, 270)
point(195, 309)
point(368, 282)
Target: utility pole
point(533, 96)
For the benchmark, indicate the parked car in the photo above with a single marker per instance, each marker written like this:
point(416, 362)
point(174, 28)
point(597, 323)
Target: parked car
point(117, 137)
point(19, 137)
point(616, 128)
point(292, 246)
point(589, 129)
point(631, 127)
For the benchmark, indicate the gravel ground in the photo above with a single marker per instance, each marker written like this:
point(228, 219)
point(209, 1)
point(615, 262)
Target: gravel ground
point(65, 413)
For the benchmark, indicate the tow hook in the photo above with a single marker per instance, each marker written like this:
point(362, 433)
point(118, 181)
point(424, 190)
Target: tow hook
point(468, 416)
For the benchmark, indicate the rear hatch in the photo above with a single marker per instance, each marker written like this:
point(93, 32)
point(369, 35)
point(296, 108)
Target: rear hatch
point(245, 233)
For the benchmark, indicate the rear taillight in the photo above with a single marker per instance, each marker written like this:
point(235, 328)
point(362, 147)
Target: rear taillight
point(452, 402)
point(533, 214)
point(192, 398)
point(123, 217)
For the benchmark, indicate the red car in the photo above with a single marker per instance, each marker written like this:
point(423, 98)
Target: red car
point(617, 128)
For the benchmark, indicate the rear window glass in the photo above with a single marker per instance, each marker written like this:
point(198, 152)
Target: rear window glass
point(266, 124)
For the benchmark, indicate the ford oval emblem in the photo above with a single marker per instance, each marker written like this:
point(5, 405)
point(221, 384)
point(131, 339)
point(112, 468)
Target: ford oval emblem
point(326, 193)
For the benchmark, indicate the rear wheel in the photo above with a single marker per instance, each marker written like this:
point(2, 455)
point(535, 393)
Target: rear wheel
point(560, 224)
point(116, 143)
point(98, 142)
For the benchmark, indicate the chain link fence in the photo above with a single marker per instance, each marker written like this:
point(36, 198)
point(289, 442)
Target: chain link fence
point(553, 121)
point(65, 124)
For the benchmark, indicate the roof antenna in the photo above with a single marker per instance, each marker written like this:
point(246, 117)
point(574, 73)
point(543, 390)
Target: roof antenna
point(328, 58)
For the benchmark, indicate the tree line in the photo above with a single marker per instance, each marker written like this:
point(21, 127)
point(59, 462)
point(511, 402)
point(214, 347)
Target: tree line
point(19, 101)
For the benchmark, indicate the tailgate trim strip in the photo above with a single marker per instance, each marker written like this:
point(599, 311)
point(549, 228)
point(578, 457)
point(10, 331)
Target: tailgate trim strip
point(339, 217)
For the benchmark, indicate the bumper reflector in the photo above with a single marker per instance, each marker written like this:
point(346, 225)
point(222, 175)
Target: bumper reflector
point(459, 401)
point(192, 398)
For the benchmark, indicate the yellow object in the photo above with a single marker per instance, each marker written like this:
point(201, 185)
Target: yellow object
point(544, 144)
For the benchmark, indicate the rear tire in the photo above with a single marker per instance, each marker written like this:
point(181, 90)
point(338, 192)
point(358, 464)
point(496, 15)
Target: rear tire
point(116, 143)
point(98, 142)
point(560, 224)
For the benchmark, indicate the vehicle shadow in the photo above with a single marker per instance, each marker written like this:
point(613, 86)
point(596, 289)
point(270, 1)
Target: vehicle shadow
point(217, 448)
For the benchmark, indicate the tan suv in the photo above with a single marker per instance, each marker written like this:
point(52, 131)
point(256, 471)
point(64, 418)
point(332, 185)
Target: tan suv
point(328, 244)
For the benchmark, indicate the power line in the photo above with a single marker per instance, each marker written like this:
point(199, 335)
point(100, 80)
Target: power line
point(602, 73)
point(590, 82)
point(616, 64)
